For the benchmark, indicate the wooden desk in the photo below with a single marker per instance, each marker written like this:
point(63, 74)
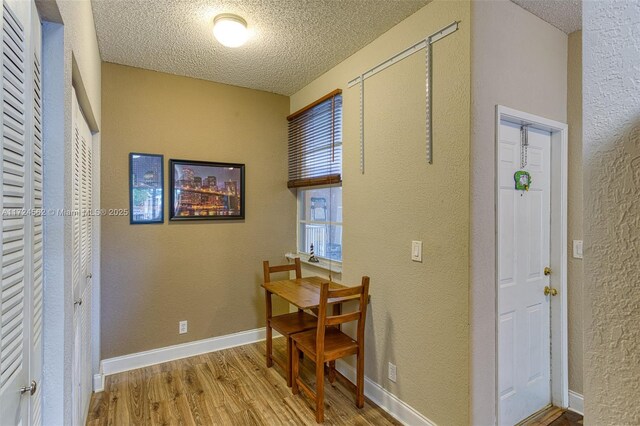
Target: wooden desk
point(304, 292)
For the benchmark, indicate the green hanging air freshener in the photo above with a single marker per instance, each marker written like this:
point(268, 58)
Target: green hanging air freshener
point(523, 180)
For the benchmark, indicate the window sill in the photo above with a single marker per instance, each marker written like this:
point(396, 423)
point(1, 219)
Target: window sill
point(333, 266)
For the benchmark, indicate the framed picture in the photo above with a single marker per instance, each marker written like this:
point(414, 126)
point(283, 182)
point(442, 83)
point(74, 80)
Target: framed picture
point(201, 190)
point(146, 183)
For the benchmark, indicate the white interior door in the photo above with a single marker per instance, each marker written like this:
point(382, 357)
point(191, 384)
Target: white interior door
point(21, 197)
point(82, 229)
point(523, 224)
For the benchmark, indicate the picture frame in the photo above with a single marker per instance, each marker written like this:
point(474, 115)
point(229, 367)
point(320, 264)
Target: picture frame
point(202, 190)
point(146, 188)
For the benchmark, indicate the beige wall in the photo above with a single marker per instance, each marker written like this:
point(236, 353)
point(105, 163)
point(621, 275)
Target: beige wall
point(574, 273)
point(418, 317)
point(518, 61)
point(611, 166)
point(205, 272)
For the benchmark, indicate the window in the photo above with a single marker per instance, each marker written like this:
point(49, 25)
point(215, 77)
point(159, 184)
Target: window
point(315, 169)
point(320, 221)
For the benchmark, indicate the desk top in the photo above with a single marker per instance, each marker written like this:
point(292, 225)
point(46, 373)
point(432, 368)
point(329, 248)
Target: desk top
point(304, 292)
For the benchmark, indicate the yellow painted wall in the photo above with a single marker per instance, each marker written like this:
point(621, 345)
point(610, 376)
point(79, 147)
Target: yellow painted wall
point(205, 272)
point(418, 318)
point(519, 61)
point(611, 179)
point(575, 274)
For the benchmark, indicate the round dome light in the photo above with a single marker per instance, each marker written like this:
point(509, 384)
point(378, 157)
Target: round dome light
point(230, 30)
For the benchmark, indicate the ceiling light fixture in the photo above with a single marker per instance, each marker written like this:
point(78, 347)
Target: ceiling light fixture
point(230, 30)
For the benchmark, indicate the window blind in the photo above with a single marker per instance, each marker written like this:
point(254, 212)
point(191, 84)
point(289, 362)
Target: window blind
point(315, 143)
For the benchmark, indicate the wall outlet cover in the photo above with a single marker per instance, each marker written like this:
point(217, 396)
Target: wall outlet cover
point(393, 372)
point(577, 249)
point(183, 327)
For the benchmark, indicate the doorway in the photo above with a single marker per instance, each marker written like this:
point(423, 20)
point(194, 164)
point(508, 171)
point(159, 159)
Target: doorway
point(531, 316)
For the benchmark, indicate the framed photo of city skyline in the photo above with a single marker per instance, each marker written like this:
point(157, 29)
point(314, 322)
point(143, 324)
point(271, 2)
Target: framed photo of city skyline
point(201, 190)
point(146, 183)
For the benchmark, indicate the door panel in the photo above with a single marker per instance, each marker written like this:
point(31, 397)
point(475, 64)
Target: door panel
point(14, 320)
point(21, 226)
point(77, 284)
point(38, 229)
point(82, 229)
point(523, 228)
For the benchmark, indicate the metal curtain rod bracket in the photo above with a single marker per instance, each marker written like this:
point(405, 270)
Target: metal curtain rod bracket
point(438, 35)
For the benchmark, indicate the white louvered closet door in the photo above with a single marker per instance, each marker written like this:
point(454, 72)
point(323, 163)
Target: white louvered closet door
point(82, 257)
point(75, 276)
point(37, 179)
point(21, 192)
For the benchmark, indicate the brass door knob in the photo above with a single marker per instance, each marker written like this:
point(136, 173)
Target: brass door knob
point(547, 270)
point(550, 291)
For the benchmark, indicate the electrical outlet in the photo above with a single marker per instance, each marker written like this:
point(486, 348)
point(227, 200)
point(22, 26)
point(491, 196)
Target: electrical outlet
point(392, 372)
point(183, 326)
point(577, 249)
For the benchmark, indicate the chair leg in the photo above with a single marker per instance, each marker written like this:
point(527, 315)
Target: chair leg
point(360, 379)
point(295, 365)
point(289, 360)
point(319, 392)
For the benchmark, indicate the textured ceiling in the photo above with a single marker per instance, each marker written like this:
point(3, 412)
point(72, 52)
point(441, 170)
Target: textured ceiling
point(293, 41)
point(566, 15)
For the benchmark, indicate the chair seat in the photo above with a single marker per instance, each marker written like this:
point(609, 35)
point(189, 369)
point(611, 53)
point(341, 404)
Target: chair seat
point(336, 343)
point(294, 322)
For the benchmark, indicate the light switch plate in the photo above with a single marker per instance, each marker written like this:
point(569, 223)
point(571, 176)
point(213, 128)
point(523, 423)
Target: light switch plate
point(577, 249)
point(416, 251)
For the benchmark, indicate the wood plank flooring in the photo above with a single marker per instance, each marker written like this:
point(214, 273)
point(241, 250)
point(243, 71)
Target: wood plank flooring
point(554, 416)
point(229, 387)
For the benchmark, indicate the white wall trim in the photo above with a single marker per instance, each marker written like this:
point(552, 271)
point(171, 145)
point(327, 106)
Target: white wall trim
point(58, 307)
point(183, 350)
point(576, 402)
point(98, 382)
point(376, 393)
point(390, 403)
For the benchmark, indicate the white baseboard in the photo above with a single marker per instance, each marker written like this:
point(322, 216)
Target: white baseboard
point(376, 393)
point(98, 382)
point(184, 350)
point(576, 402)
point(390, 403)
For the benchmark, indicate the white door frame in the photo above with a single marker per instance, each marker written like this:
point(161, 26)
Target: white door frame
point(558, 250)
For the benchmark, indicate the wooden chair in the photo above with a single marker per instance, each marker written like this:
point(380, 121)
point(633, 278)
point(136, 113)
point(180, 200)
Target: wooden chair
point(286, 324)
point(327, 343)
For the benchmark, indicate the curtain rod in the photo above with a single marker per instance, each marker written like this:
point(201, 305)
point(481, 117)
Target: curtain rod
point(442, 33)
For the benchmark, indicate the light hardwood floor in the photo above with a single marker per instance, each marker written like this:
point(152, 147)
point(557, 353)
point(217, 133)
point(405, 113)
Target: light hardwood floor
point(554, 416)
point(229, 387)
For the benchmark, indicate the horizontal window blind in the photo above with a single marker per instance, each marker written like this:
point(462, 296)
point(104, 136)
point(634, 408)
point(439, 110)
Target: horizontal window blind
point(315, 143)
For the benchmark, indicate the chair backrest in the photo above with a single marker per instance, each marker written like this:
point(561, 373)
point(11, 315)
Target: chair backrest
point(359, 315)
point(268, 270)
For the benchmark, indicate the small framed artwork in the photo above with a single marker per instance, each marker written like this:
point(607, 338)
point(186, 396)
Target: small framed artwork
point(202, 190)
point(146, 183)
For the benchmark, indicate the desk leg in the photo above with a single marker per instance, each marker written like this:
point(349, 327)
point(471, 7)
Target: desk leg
point(268, 328)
